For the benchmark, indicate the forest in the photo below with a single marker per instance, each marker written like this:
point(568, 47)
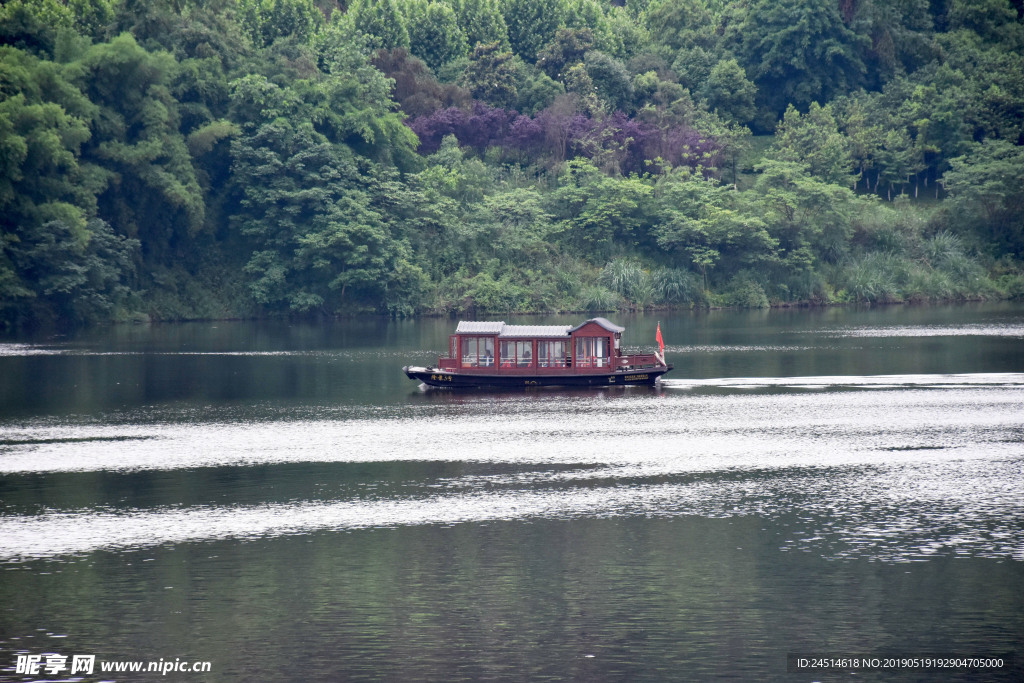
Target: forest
point(210, 159)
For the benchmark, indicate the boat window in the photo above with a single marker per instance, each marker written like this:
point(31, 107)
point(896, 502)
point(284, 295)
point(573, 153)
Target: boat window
point(592, 352)
point(477, 352)
point(552, 354)
point(516, 354)
point(524, 352)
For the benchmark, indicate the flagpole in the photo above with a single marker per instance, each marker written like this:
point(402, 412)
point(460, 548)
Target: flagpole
point(661, 345)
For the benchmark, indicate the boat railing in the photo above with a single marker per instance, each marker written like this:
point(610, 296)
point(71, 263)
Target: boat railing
point(637, 361)
point(630, 362)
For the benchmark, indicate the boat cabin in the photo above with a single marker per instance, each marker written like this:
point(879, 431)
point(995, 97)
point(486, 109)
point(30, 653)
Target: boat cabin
point(494, 347)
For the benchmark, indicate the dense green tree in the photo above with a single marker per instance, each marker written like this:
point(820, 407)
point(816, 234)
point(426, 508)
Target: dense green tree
point(679, 24)
point(936, 114)
point(33, 25)
point(352, 102)
point(444, 200)
point(233, 156)
point(814, 139)
point(898, 159)
point(481, 21)
point(73, 280)
point(692, 66)
point(810, 219)
point(625, 38)
point(901, 34)
point(382, 21)
point(44, 195)
point(992, 20)
point(520, 227)
point(151, 190)
point(269, 20)
point(611, 80)
point(798, 52)
point(532, 24)
point(729, 92)
point(491, 75)
point(57, 261)
point(568, 47)
point(597, 211)
point(990, 81)
point(701, 225)
point(595, 17)
point(94, 18)
point(535, 90)
point(434, 34)
point(986, 188)
point(307, 204)
point(860, 122)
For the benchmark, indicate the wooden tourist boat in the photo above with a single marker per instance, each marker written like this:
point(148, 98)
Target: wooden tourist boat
point(493, 354)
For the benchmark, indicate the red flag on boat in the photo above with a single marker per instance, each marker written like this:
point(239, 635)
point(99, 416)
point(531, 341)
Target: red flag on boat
point(660, 340)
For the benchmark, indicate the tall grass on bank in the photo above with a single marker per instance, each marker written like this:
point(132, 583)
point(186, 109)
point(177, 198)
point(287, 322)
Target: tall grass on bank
point(932, 269)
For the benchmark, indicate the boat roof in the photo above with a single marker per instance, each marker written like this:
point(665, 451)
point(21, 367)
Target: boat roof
point(502, 330)
point(603, 322)
point(535, 331)
point(477, 327)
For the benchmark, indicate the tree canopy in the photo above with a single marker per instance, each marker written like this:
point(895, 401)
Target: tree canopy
point(210, 158)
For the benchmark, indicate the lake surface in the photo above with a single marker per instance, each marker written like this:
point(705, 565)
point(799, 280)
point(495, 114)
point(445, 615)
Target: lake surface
point(280, 501)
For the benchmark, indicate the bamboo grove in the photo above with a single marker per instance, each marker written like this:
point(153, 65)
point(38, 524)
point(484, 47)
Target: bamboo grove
point(184, 159)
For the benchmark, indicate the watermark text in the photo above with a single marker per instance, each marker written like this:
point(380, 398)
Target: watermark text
point(53, 664)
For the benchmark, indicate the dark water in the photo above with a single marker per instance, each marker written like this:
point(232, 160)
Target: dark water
point(280, 501)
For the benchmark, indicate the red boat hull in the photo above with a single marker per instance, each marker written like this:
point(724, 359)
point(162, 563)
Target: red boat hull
point(454, 379)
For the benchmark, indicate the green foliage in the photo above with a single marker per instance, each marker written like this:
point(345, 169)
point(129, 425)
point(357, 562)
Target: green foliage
point(743, 292)
point(888, 278)
point(986, 190)
point(611, 80)
point(624, 276)
point(992, 20)
point(678, 24)
point(481, 21)
point(151, 183)
point(164, 159)
point(382, 21)
point(805, 215)
point(532, 24)
point(599, 299)
point(268, 20)
point(728, 91)
point(798, 52)
point(491, 75)
point(67, 274)
point(814, 139)
point(434, 34)
point(536, 90)
point(676, 286)
point(309, 206)
point(33, 25)
point(568, 47)
point(597, 211)
point(701, 223)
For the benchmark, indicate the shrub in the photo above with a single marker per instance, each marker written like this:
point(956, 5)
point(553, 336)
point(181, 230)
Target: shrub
point(676, 286)
point(744, 293)
point(598, 298)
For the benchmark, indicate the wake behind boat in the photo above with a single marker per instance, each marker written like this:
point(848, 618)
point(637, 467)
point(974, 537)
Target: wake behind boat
point(586, 355)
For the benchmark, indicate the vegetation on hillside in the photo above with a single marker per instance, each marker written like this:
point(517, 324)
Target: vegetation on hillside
point(174, 159)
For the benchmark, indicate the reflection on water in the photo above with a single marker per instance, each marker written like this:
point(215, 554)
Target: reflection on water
point(281, 500)
point(977, 330)
point(879, 474)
